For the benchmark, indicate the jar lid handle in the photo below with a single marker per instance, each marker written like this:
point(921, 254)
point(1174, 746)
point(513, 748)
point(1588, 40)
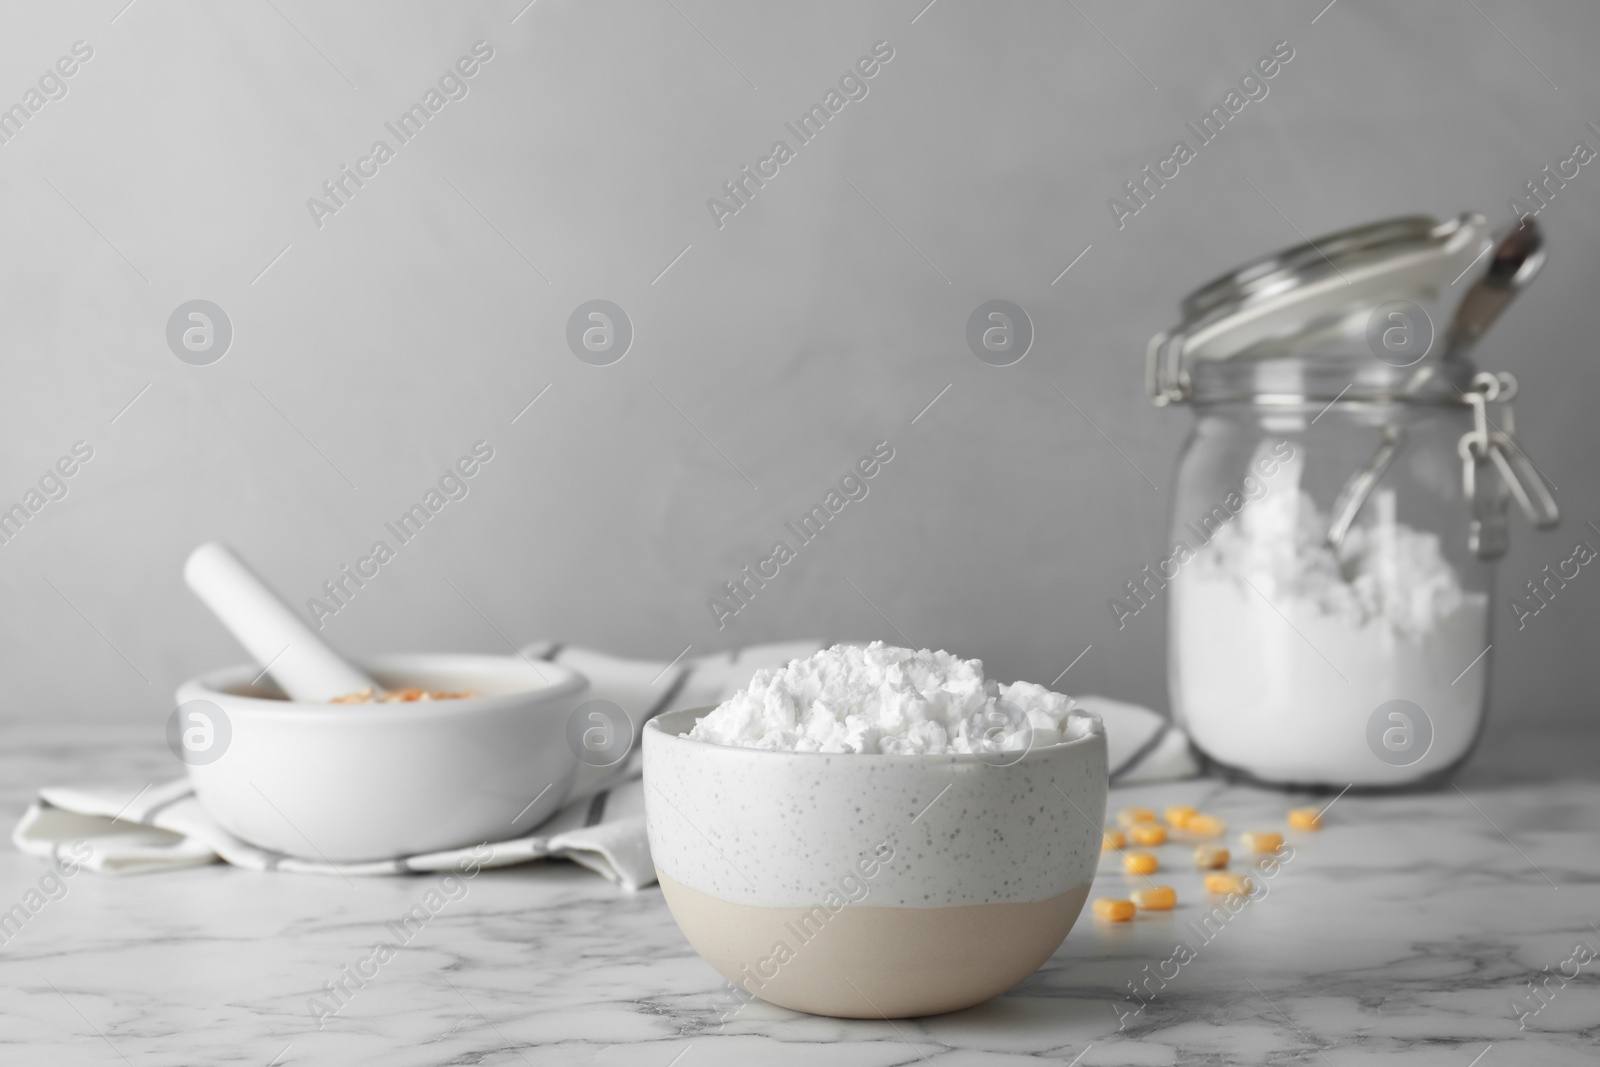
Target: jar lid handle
point(1494, 465)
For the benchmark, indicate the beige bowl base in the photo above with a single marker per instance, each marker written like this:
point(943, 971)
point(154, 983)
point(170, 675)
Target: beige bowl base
point(867, 962)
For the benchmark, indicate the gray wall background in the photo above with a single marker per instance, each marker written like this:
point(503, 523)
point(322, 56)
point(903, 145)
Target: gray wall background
point(822, 318)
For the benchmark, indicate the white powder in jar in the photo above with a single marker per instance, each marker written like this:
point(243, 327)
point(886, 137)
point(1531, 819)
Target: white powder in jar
point(886, 700)
point(1280, 657)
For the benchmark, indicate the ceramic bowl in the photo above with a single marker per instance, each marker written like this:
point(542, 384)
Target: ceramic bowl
point(869, 886)
point(344, 783)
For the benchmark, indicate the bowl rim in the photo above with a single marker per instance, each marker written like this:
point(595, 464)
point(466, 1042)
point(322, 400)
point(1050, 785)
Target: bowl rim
point(564, 682)
point(1097, 730)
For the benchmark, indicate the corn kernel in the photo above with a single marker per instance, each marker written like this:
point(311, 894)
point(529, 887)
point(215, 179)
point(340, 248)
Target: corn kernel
point(1305, 819)
point(1148, 833)
point(1134, 816)
point(1156, 898)
point(1205, 825)
point(1180, 816)
point(1139, 862)
point(1228, 882)
point(1111, 840)
point(1261, 841)
point(1114, 911)
point(1210, 857)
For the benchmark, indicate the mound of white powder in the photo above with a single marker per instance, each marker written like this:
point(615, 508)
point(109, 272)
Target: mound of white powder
point(1391, 572)
point(1281, 651)
point(889, 701)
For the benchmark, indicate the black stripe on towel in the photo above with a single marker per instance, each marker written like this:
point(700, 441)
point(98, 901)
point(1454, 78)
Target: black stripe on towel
point(670, 695)
point(1142, 751)
point(597, 809)
point(150, 812)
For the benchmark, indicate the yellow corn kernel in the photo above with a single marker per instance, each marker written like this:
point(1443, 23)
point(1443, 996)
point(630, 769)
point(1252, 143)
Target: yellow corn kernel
point(1139, 862)
point(1228, 882)
point(1148, 833)
point(1180, 816)
point(1156, 898)
point(1112, 840)
point(1305, 819)
point(1113, 911)
point(1210, 857)
point(1134, 816)
point(1261, 841)
point(1205, 825)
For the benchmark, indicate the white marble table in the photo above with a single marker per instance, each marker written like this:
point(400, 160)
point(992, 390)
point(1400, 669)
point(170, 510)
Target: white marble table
point(1401, 932)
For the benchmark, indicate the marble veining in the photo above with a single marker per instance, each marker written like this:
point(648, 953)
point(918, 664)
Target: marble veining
point(1402, 932)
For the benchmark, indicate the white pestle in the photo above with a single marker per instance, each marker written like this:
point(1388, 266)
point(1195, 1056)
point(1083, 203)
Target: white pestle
point(302, 664)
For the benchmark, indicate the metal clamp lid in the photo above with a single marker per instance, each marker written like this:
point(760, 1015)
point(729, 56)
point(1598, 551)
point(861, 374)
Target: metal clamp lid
point(1313, 303)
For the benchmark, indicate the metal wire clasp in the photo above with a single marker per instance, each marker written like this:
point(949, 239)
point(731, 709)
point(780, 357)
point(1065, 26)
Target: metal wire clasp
point(1164, 376)
point(1494, 466)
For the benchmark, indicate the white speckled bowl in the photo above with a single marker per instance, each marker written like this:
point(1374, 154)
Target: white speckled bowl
point(868, 886)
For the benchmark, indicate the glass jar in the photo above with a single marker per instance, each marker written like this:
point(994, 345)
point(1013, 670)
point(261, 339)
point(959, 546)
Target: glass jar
point(1339, 505)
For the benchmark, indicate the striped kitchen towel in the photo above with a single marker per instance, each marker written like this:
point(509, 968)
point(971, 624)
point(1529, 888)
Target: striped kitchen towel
point(602, 828)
